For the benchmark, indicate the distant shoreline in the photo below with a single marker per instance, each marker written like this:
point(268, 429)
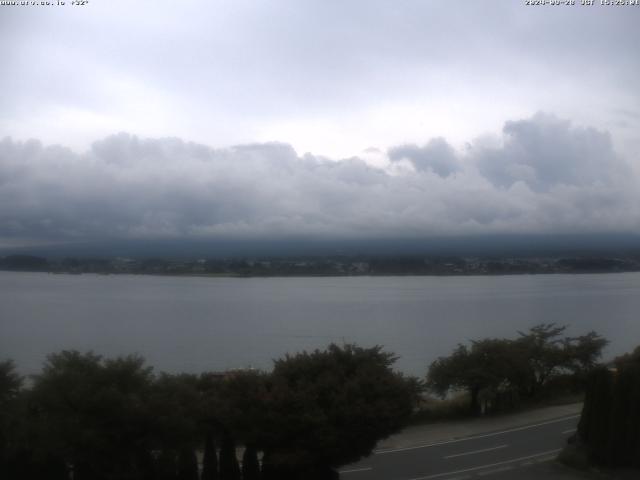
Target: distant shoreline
point(337, 266)
point(303, 275)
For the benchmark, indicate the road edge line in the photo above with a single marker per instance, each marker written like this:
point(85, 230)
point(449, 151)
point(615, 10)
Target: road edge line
point(465, 439)
point(472, 469)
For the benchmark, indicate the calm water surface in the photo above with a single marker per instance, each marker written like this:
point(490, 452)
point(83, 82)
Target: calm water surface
point(196, 324)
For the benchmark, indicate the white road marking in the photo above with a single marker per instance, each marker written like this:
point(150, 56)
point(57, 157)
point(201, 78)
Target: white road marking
point(482, 467)
point(476, 451)
point(571, 430)
point(354, 470)
point(495, 470)
point(447, 442)
point(545, 459)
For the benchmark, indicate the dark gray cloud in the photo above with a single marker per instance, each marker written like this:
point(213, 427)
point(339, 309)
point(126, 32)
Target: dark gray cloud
point(545, 151)
point(544, 176)
point(437, 156)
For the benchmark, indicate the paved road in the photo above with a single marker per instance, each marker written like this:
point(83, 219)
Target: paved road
point(499, 454)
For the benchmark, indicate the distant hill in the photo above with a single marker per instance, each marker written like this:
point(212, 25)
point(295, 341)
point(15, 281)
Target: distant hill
point(498, 245)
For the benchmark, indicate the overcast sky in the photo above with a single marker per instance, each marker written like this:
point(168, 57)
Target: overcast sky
point(207, 118)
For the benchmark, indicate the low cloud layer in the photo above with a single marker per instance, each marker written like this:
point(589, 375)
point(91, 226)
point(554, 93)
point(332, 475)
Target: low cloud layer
point(436, 156)
point(546, 152)
point(540, 175)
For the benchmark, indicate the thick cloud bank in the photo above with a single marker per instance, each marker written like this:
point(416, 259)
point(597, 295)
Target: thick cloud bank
point(542, 175)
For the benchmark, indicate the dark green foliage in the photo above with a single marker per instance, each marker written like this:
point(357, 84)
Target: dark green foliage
point(628, 358)
point(174, 404)
point(24, 464)
point(238, 404)
point(229, 468)
point(167, 465)
point(10, 382)
point(210, 459)
point(610, 423)
point(542, 346)
point(85, 412)
point(582, 353)
point(549, 354)
point(625, 418)
point(490, 367)
point(250, 464)
point(594, 425)
point(113, 419)
point(329, 408)
point(146, 464)
point(187, 464)
point(92, 412)
point(497, 373)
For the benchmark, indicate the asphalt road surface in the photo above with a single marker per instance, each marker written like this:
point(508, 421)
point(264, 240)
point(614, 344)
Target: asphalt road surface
point(500, 454)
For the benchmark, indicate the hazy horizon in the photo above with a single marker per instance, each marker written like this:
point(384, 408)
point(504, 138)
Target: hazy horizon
point(305, 247)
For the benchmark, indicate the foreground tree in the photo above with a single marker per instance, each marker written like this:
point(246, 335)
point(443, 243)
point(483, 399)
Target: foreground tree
point(10, 382)
point(22, 454)
point(113, 419)
point(209, 459)
point(550, 355)
point(10, 385)
point(583, 352)
point(628, 359)
point(187, 464)
point(487, 367)
point(543, 348)
point(174, 405)
point(330, 408)
point(229, 468)
point(250, 464)
point(234, 411)
point(609, 428)
point(504, 368)
point(92, 413)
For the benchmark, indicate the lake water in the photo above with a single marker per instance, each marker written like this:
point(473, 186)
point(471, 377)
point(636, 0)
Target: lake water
point(196, 324)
